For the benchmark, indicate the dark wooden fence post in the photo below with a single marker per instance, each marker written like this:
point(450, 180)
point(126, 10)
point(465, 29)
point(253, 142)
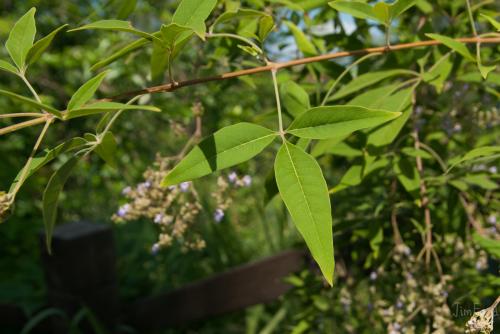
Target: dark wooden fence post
point(81, 271)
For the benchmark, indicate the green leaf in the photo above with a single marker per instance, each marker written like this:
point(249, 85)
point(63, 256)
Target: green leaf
point(485, 70)
point(324, 146)
point(193, 13)
point(225, 148)
point(454, 45)
point(21, 38)
point(266, 25)
point(413, 152)
point(341, 149)
point(121, 53)
point(303, 189)
point(485, 151)
point(51, 198)
point(116, 25)
point(480, 180)
point(374, 97)
point(366, 80)
point(295, 98)
point(237, 14)
point(86, 91)
point(31, 102)
point(399, 7)
point(125, 8)
point(489, 245)
point(107, 149)
point(408, 175)
point(303, 42)
point(8, 67)
point(159, 60)
point(398, 102)
point(41, 45)
point(381, 11)
point(438, 73)
point(49, 155)
point(357, 9)
point(336, 121)
point(100, 107)
point(172, 32)
point(493, 22)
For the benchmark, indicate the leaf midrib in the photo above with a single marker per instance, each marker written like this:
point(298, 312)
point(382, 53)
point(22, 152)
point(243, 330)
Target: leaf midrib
point(309, 211)
point(226, 150)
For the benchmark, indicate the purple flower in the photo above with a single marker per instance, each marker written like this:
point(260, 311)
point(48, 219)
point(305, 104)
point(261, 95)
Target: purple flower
point(399, 304)
point(123, 210)
point(492, 219)
point(493, 170)
point(373, 275)
point(172, 188)
point(185, 186)
point(158, 218)
point(218, 215)
point(155, 249)
point(126, 190)
point(232, 177)
point(247, 180)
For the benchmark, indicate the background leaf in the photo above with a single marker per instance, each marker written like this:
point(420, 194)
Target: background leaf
point(454, 45)
point(51, 197)
point(357, 9)
point(193, 13)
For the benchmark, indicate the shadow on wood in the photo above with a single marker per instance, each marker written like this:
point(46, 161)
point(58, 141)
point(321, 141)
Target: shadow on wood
point(247, 285)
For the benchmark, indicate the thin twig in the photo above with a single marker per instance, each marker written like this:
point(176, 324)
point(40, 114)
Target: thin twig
point(22, 125)
point(22, 114)
point(383, 49)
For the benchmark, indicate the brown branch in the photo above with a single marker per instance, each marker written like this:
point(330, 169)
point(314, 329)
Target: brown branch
point(383, 49)
point(22, 125)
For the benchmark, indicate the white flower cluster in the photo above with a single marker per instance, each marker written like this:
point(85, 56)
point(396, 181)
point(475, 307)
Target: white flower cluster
point(223, 196)
point(5, 205)
point(173, 209)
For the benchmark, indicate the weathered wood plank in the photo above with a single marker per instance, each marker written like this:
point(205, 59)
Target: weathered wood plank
point(247, 285)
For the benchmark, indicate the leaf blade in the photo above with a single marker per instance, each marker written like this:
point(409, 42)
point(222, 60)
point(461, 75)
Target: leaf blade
point(31, 102)
point(227, 147)
point(193, 13)
point(21, 38)
point(36, 51)
point(303, 189)
point(51, 198)
point(454, 45)
point(100, 107)
point(337, 121)
point(86, 91)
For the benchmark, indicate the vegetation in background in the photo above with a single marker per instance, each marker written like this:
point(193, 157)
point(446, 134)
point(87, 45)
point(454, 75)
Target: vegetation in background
point(386, 155)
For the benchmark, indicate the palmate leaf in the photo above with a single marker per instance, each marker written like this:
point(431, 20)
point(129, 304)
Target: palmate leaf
point(51, 198)
point(21, 38)
point(101, 107)
point(303, 189)
point(337, 121)
point(227, 147)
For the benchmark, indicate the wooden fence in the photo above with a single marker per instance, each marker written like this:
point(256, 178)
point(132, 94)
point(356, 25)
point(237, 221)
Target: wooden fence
point(82, 272)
